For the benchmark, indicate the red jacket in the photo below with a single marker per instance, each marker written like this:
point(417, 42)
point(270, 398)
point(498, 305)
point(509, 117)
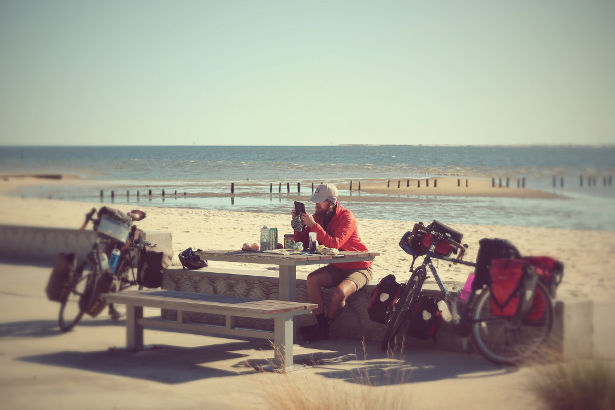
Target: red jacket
point(341, 233)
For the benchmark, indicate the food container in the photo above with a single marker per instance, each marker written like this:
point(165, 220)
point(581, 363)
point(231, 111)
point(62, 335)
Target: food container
point(289, 241)
point(273, 238)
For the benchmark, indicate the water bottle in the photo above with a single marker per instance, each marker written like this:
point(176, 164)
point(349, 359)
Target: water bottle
point(114, 260)
point(264, 238)
point(104, 262)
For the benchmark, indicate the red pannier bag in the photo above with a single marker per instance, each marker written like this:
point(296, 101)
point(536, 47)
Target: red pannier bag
point(512, 286)
point(550, 271)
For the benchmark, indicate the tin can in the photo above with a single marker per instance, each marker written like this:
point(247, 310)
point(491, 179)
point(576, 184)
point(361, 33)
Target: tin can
point(273, 238)
point(289, 241)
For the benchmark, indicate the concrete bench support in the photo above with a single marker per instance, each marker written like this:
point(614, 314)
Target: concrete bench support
point(282, 313)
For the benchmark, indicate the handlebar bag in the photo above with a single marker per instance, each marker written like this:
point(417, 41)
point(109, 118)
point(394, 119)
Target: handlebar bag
point(113, 223)
point(384, 296)
point(512, 287)
point(62, 273)
point(413, 244)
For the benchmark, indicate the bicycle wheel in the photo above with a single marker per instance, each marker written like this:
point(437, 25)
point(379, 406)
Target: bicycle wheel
point(510, 340)
point(71, 308)
point(406, 302)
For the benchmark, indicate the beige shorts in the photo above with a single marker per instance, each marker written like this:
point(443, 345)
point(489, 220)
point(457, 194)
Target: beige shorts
point(359, 277)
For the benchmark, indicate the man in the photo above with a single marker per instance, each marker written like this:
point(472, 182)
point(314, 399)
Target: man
point(335, 227)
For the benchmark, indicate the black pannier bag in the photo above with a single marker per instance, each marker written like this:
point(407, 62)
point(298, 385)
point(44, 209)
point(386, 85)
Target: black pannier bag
point(152, 269)
point(93, 305)
point(384, 296)
point(426, 317)
point(61, 275)
point(488, 250)
point(191, 260)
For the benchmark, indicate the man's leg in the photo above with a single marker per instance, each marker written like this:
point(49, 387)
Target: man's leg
point(338, 299)
point(316, 280)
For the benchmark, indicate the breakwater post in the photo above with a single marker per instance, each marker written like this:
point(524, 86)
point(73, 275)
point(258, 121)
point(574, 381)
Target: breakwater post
point(466, 182)
point(359, 185)
point(232, 188)
point(280, 188)
point(350, 189)
point(492, 182)
point(507, 182)
point(427, 182)
point(270, 187)
point(388, 183)
point(127, 195)
point(299, 187)
point(435, 183)
point(101, 194)
point(312, 187)
point(458, 182)
point(398, 182)
point(288, 187)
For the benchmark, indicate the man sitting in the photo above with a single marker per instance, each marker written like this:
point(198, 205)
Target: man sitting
point(335, 227)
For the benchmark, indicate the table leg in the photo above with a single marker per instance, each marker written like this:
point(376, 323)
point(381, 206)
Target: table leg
point(283, 342)
point(288, 282)
point(134, 330)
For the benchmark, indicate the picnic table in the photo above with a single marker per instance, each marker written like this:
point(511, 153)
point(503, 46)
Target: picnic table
point(287, 262)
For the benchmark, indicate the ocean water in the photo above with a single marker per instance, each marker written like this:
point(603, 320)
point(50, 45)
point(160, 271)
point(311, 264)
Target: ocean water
point(211, 169)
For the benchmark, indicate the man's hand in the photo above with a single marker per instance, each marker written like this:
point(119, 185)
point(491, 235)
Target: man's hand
point(308, 220)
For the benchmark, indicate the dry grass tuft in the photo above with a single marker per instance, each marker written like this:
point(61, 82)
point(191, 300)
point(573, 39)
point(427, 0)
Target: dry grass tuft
point(580, 384)
point(297, 391)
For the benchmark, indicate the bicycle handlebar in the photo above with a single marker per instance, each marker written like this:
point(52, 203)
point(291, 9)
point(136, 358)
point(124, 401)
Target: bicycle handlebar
point(439, 237)
point(88, 218)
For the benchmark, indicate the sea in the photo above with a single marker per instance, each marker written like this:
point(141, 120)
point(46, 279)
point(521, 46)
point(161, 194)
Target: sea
point(581, 175)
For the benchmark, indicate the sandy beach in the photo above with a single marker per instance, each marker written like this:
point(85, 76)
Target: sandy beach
point(586, 254)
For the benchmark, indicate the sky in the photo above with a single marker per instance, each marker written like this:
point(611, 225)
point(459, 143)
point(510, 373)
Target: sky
point(307, 72)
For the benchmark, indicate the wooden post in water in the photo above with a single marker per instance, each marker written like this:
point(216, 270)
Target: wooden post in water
point(288, 187)
point(350, 185)
point(232, 187)
point(523, 182)
point(458, 182)
point(271, 188)
point(388, 183)
point(427, 182)
point(359, 185)
point(280, 188)
point(435, 183)
point(127, 195)
point(150, 193)
point(312, 187)
point(163, 193)
point(418, 183)
point(398, 184)
point(499, 182)
point(137, 194)
point(466, 182)
point(299, 187)
point(101, 194)
point(492, 182)
point(175, 193)
point(507, 182)
point(112, 195)
point(408, 183)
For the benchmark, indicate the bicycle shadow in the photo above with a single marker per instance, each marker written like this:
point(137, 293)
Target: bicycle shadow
point(46, 328)
point(161, 363)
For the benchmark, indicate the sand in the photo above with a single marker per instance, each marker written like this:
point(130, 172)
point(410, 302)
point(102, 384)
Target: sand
point(586, 255)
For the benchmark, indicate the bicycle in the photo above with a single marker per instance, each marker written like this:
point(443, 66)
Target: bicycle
point(500, 339)
point(91, 278)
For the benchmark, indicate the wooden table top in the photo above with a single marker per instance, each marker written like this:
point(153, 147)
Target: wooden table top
point(288, 258)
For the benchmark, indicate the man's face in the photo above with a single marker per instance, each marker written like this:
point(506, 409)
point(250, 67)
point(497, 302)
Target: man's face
point(322, 208)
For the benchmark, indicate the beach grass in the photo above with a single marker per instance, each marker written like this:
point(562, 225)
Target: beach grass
point(578, 384)
point(362, 389)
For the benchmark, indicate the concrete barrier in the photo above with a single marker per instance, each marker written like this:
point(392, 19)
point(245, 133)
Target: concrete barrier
point(581, 327)
point(42, 244)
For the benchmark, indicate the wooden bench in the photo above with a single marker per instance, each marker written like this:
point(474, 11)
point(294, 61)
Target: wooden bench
point(282, 313)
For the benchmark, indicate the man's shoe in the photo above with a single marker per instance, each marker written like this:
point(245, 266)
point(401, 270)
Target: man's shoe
point(319, 333)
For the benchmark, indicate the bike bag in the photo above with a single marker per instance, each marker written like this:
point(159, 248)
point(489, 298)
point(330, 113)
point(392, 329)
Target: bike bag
point(152, 269)
point(418, 244)
point(549, 270)
point(383, 299)
point(512, 287)
point(426, 317)
point(113, 223)
point(488, 250)
point(92, 302)
point(63, 271)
